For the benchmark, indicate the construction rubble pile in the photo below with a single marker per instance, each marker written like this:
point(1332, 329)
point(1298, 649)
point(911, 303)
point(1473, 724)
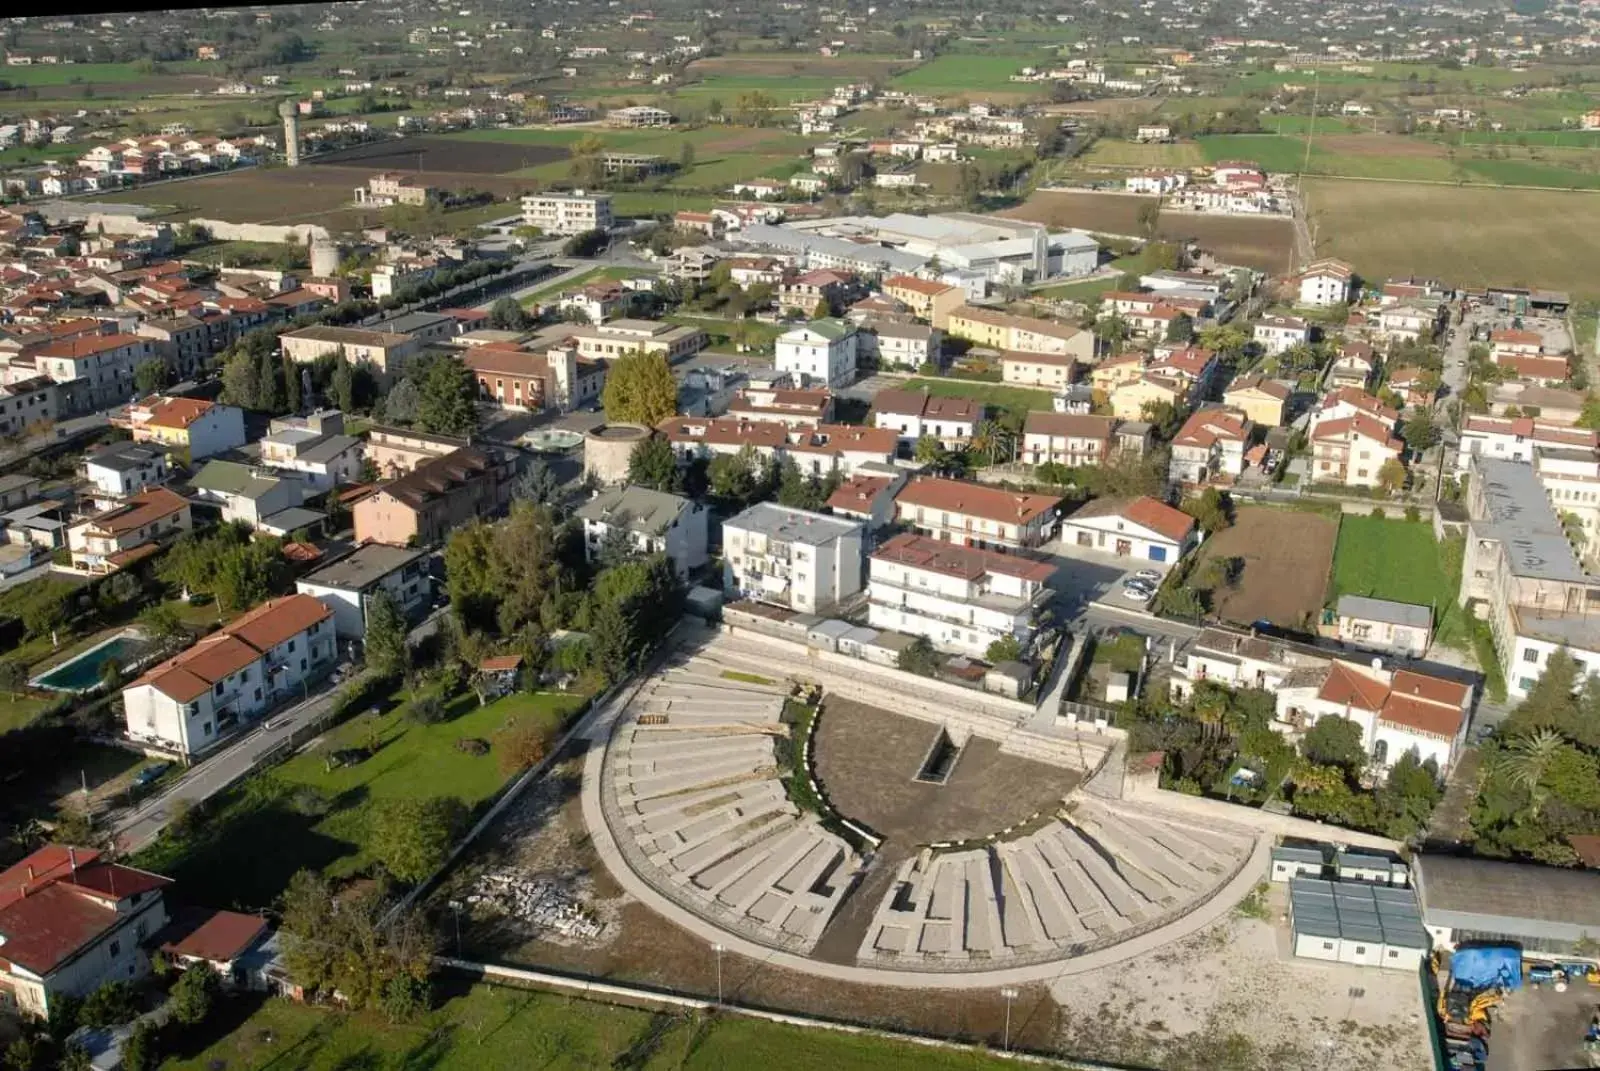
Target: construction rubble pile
point(540, 902)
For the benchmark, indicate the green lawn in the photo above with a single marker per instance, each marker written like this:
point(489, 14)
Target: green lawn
point(1086, 290)
point(502, 1029)
point(1015, 399)
point(590, 276)
point(302, 814)
point(954, 73)
point(58, 74)
point(1398, 560)
point(17, 711)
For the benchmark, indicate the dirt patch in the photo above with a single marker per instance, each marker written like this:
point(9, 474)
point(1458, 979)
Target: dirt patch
point(868, 760)
point(431, 156)
point(1287, 554)
point(1233, 996)
point(1379, 145)
point(1262, 243)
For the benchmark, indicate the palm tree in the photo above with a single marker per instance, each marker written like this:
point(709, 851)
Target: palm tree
point(1527, 762)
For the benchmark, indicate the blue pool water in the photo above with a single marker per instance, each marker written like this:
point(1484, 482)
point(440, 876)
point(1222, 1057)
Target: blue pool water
point(81, 673)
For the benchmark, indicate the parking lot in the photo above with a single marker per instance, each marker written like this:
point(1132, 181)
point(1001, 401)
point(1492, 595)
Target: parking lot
point(1538, 1029)
point(1085, 577)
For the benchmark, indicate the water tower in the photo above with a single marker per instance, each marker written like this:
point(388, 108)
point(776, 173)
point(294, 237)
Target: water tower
point(291, 132)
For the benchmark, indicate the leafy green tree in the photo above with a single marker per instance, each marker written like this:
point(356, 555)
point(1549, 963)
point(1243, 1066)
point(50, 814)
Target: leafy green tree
point(1419, 430)
point(112, 1004)
point(342, 386)
point(13, 677)
point(139, 1051)
point(75, 1058)
point(447, 398)
point(350, 943)
point(654, 464)
point(25, 1053)
point(1335, 741)
point(270, 396)
point(734, 477)
point(401, 404)
point(507, 315)
point(1005, 649)
point(538, 484)
point(291, 384)
point(634, 606)
point(150, 376)
point(1391, 475)
point(1527, 763)
point(640, 389)
point(918, 657)
point(386, 651)
point(1211, 510)
point(194, 994)
point(405, 998)
point(411, 837)
point(1181, 329)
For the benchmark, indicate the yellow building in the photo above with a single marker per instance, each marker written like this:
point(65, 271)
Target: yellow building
point(1263, 400)
point(1114, 372)
point(926, 299)
point(1023, 334)
point(1129, 400)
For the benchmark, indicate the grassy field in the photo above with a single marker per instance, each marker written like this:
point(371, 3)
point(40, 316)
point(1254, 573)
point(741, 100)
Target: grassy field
point(1393, 156)
point(1014, 399)
point(1086, 290)
point(1398, 560)
point(1111, 152)
point(593, 275)
point(304, 815)
point(488, 1028)
point(955, 73)
point(56, 74)
point(1544, 238)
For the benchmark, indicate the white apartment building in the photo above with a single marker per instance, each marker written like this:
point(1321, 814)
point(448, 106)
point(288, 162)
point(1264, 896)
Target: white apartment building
point(1210, 447)
point(99, 367)
point(911, 414)
point(1278, 333)
point(656, 522)
point(1517, 439)
point(961, 598)
point(1352, 451)
point(1071, 439)
point(123, 469)
point(315, 448)
point(792, 557)
point(903, 346)
point(567, 213)
point(228, 679)
point(348, 585)
point(822, 352)
point(1325, 283)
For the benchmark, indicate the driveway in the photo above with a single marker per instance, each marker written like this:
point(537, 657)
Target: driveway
point(1088, 578)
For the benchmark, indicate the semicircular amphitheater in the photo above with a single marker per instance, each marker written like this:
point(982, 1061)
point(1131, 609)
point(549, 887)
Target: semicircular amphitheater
point(905, 875)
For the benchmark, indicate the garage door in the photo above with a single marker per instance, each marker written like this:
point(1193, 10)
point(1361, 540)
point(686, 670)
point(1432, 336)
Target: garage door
point(1158, 554)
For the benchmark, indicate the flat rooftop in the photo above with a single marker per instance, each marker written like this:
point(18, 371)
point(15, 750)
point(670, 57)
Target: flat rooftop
point(365, 566)
point(1521, 518)
point(791, 525)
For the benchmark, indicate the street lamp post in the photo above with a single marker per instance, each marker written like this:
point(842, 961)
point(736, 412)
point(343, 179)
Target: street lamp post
point(1010, 994)
point(718, 949)
point(455, 906)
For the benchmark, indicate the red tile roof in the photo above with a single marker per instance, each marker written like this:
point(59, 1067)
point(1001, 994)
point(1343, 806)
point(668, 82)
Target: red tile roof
point(216, 936)
point(1346, 687)
point(857, 494)
point(177, 412)
point(187, 675)
point(61, 899)
point(950, 559)
point(975, 500)
point(925, 287)
point(1160, 517)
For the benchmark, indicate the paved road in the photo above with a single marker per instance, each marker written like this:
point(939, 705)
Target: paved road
point(137, 829)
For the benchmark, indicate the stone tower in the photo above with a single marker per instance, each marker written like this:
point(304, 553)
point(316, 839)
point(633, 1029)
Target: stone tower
point(291, 132)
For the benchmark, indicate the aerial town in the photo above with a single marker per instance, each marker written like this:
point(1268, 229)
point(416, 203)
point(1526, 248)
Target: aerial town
point(593, 535)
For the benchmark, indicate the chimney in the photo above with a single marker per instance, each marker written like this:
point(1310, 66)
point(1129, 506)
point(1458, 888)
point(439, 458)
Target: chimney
point(30, 873)
point(72, 858)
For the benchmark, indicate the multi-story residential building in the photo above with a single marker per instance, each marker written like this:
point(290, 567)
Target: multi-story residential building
point(653, 522)
point(1506, 343)
point(1261, 399)
point(26, 403)
point(1325, 283)
point(314, 448)
point(422, 507)
point(928, 300)
point(124, 534)
point(977, 515)
point(1117, 370)
point(348, 585)
point(387, 189)
point(1274, 334)
point(1518, 439)
point(1132, 399)
point(1074, 440)
point(1353, 367)
point(825, 287)
point(789, 406)
point(382, 351)
point(184, 342)
point(1409, 321)
point(1398, 711)
point(1192, 366)
point(122, 469)
point(821, 352)
point(1023, 334)
point(1346, 402)
point(1210, 447)
point(230, 678)
point(567, 213)
point(73, 921)
point(1521, 566)
point(818, 450)
point(246, 493)
point(868, 496)
point(911, 414)
point(1051, 371)
point(1143, 528)
point(961, 598)
point(1352, 451)
point(905, 346)
point(397, 451)
point(95, 370)
point(511, 377)
point(196, 426)
point(791, 557)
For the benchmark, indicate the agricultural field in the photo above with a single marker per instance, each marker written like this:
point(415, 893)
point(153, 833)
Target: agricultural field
point(307, 814)
point(1471, 235)
point(1263, 243)
point(432, 155)
point(1399, 560)
point(496, 1028)
point(1286, 555)
point(1113, 152)
point(1398, 157)
point(956, 73)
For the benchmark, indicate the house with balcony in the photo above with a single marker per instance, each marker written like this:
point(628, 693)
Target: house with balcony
point(348, 585)
point(196, 426)
point(1352, 451)
point(821, 353)
point(1324, 283)
point(1343, 403)
point(1210, 447)
point(126, 533)
point(314, 448)
point(911, 414)
point(1275, 334)
point(652, 522)
point(232, 677)
point(119, 470)
point(961, 598)
point(72, 920)
point(1071, 439)
point(793, 558)
point(422, 507)
point(1261, 399)
point(1354, 366)
point(977, 515)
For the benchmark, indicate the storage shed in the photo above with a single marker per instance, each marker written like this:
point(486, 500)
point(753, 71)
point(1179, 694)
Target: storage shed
point(1360, 866)
point(1290, 862)
point(1356, 922)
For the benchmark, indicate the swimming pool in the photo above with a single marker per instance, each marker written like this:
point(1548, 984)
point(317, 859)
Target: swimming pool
point(82, 672)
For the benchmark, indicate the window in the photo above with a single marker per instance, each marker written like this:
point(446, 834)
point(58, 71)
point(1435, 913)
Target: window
point(1327, 946)
point(205, 729)
point(291, 647)
point(1361, 950)
point(116, 949)
point(1531, 654)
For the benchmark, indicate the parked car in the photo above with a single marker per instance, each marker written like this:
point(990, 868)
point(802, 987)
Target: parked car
point(1148, 574)
point(150, 774)
point(1137, 594)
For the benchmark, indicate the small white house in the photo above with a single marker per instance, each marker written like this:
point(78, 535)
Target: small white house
point(1139, 528)
point(820, 352)
point(124, 469)
point(656, 522)
point(347, 586)
point(1288, 862)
